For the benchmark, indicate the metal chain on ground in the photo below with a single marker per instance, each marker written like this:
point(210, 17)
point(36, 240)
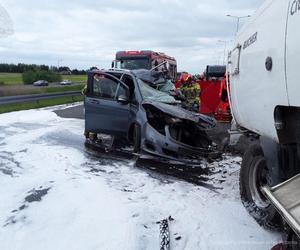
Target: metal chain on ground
point(164, 235)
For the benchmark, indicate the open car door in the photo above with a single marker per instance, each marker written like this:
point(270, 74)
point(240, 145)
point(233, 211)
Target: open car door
point(106, 105)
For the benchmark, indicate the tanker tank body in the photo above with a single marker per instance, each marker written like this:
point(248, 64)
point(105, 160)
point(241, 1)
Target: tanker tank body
point(265, 102)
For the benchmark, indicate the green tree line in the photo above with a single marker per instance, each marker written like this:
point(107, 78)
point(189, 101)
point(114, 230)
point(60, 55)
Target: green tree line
point(22, 67)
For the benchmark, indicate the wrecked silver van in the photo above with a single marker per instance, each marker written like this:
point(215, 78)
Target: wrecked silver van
point(121, 104)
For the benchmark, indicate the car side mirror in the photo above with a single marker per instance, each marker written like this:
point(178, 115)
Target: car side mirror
point(123, 99)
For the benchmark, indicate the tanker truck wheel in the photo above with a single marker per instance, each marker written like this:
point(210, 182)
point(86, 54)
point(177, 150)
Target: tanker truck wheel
point(253, 175)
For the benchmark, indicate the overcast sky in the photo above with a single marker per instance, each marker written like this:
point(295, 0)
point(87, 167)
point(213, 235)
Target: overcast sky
point(87, 33)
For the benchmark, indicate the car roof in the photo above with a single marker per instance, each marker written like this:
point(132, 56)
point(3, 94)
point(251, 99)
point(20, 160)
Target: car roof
point(135, 72)
point(121, 71)
point(115, 72)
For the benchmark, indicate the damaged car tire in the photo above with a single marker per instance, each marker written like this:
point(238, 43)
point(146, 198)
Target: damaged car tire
point(253, 175)
point(136, 138)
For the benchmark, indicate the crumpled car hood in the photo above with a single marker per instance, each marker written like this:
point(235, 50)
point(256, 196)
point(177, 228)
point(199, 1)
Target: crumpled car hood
point(179, 112)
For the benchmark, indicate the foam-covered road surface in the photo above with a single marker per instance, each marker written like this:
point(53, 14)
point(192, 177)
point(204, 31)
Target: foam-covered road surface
point(57, 194)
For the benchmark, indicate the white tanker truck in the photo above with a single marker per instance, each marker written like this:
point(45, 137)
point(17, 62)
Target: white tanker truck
point(264, 69)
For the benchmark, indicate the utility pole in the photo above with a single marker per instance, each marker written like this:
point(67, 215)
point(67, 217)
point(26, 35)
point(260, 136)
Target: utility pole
point(58, 62)
point(225, 48)
point(238, 18)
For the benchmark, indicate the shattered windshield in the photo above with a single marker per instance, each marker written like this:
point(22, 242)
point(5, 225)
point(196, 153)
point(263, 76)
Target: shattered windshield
point(168, 86)
point(151, 94)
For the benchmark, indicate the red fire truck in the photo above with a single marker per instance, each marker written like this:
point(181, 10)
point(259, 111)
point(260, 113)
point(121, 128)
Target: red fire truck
point(145, 59)
point(214, 93)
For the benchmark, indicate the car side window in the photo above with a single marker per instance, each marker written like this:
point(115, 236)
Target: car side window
point(104, 87)
point(122, 91)
point(128, 81)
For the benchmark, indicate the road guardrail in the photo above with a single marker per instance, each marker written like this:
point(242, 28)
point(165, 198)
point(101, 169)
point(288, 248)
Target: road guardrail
point(36, 97)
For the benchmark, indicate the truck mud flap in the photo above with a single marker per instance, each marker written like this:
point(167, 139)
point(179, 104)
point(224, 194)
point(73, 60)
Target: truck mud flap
point(286, 198)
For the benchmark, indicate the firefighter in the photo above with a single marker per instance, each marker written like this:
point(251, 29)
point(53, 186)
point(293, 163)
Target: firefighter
point(191, 90)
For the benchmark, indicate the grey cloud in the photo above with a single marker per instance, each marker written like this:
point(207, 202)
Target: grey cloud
point(85, 33)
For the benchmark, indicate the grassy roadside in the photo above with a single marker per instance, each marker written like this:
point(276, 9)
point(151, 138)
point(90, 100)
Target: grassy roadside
point(10, 78)
point(16, 78)
point(39, 104)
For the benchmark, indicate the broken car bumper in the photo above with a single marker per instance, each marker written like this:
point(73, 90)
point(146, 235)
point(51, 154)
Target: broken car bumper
point(165, 146)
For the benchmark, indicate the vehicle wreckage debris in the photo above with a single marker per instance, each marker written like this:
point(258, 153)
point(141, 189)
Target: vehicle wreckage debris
point(110, 152)
point(197, 174)
point(108, 144)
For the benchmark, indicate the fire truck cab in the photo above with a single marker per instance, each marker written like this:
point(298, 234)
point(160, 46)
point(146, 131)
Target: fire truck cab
point(145, 59)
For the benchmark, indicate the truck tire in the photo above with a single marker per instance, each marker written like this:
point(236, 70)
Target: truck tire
point(136, 138)
point(253, 175)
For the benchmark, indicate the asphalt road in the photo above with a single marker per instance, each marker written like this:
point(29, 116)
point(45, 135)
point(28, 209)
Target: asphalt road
point(36, 97)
